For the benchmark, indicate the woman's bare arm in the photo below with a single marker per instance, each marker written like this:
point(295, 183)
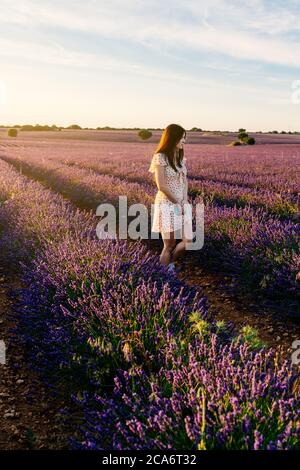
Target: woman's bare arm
point(161, 184)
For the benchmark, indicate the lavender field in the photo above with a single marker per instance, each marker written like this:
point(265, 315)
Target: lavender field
point(130, 344)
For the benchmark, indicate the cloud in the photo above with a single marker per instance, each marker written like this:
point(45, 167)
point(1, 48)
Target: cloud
point(249, 31)
point(55, 54)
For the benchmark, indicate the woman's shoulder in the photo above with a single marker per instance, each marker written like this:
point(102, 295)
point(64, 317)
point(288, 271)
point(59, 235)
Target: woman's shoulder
point(160, 154)
point(160, 158)
point(157, 159)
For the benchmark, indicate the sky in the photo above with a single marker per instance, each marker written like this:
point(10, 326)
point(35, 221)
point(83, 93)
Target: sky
point(213, 64)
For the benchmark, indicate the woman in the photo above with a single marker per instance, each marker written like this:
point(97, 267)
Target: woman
point(169, 218)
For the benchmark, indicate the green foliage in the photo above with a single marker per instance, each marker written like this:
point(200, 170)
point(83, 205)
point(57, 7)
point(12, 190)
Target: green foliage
point(12, 133)
point(144, 134)
point(243, 136)
point(249, 141)
point(250, 335)
point(74, 126)
point(221, 327)
point(30, 438)
point(39, 127)
point(199, 326)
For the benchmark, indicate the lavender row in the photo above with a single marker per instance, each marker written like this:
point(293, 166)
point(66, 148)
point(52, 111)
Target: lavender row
point(218, 397)
point(179, 381)
point(229, 195)
point(281, 197)
point(86, 187)
point(263, 252)
point(282, 203)
point(270, 167)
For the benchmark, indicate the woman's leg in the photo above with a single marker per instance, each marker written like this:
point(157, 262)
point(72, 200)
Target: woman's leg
point(180, 248)
point(187, 237)
point(169, 244)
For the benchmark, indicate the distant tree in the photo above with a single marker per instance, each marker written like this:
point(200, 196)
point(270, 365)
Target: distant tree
point(12, 133)
point(274, 132)
point(243, 136)
point(27, 127)
point(145, 134)
point(196, 129)
point(38, 127)
point(74, 126)
point(283, 132)
point(249, 141)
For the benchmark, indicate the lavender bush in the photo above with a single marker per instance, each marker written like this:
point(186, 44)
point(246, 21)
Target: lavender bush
point(97, 313)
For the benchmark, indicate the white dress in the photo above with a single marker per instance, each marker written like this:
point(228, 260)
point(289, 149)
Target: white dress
point(165, 216)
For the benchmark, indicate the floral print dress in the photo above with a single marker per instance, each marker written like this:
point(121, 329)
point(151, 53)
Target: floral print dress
point(165, 216)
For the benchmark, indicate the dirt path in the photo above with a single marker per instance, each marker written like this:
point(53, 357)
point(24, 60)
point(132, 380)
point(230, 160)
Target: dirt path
point(29, 417)
point(227, 303)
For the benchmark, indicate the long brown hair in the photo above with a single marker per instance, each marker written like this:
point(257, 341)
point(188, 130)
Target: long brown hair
point(167, 145)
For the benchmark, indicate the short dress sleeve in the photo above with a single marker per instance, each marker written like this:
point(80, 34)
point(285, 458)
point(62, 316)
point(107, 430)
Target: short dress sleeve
point(157, 159)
